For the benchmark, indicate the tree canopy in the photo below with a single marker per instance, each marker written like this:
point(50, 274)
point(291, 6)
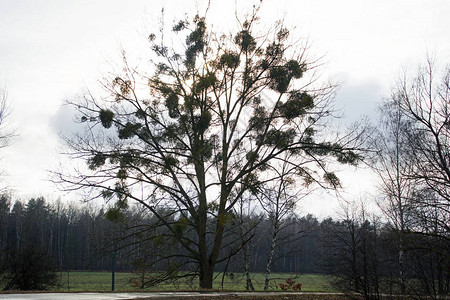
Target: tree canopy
point(214, 116)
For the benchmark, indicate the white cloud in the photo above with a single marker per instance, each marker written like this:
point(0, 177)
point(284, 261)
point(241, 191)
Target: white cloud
point(50, 50)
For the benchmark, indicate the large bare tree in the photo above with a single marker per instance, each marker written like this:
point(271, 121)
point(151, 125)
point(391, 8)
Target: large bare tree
point(424, 101)
point(413, 164)
point(392, 163)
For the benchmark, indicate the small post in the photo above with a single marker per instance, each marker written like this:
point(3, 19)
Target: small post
point(113, 260)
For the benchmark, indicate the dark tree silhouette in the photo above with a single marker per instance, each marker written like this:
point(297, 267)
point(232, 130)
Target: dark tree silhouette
point(424, 100)
point(200, 128)
point(29, 268)
point(412, 146)
point(392, 163)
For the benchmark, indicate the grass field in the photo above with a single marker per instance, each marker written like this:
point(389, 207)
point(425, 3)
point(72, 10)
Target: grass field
point(101, 281)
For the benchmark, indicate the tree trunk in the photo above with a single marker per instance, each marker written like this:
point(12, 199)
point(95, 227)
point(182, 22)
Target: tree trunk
point(206, 276)
point(269, 263)
point(249, 284)
point(207, 260)
point(402, 270)
point(271, 253)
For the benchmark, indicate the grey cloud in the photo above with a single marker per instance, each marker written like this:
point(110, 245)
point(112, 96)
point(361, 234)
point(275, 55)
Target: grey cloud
point(65, 121)
point(359, 100)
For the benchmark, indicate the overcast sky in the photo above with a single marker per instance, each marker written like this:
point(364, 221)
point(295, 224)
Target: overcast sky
point(51, 49)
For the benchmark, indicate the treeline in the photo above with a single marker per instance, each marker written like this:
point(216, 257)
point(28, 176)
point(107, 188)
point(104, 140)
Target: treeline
point(65, 232)
point(362, 252)
point(82, 238)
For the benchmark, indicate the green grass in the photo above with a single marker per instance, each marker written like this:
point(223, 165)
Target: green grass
point(76, 281)
point(310, 282)
point(101, 281)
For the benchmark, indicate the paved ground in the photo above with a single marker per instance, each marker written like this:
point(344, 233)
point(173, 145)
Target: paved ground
point(153, 295)
point(78, 296)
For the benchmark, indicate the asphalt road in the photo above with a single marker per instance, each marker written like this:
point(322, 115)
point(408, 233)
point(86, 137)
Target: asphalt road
point(153, 295)
point(88, 296)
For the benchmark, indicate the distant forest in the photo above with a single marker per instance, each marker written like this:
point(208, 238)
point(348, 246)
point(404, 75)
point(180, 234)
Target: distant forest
point(81, 238)
point(359, 248)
